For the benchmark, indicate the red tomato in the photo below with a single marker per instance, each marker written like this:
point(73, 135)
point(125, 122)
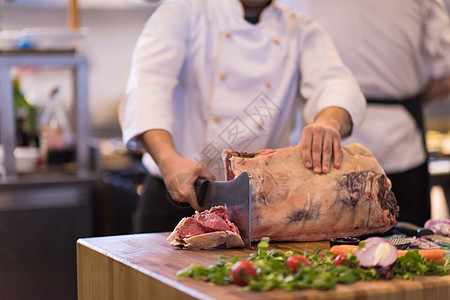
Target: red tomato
point(242, 272)
point(339, 259)
point(294, 261)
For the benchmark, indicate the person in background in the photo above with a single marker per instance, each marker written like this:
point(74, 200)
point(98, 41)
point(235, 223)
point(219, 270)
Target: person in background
point(399, 52)
point(209, 75)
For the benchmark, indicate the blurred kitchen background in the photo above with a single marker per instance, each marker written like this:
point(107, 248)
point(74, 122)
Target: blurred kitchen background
point(44, 206)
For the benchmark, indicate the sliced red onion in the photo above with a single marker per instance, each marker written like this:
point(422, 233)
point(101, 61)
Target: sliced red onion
point(440, 227)
point(373, 241)
point(377, 253)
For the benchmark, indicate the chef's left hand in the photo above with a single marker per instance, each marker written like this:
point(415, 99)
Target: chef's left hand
point(321, 140)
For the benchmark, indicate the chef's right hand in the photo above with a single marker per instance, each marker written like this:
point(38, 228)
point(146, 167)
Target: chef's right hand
point(179, 175)
point(321, 140)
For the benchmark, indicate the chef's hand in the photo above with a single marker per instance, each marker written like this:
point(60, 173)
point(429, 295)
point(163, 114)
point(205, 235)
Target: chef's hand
point(321, 140)
point(436, 89)
point(179, 173)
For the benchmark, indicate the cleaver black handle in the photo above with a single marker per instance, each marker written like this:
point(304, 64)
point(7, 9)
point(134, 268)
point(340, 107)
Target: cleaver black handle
point(200, 187)
point(412, 229)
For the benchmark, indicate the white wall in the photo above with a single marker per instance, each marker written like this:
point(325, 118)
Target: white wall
point(108, 47)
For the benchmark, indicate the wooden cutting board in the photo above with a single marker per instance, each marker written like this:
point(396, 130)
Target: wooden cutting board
point(144, 266)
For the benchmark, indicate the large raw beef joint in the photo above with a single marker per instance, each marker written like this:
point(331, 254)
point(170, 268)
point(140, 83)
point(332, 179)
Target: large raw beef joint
point(291, 203)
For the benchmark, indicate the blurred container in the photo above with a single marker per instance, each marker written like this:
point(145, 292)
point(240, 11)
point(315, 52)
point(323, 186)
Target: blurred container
point(56, 135)
point(8, 39)
point(53, 38)
point(27, 159)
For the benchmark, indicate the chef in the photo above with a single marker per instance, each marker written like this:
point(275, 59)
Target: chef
point(209, 75)
point(399, 51)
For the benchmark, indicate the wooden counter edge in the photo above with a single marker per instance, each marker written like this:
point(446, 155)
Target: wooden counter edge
point(104, 276)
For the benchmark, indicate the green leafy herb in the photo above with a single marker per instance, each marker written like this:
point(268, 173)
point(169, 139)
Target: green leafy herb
point(412, 264)
point(323, 274)
point(218, 273)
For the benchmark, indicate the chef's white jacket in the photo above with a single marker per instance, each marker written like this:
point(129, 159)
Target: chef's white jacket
point(393, 47)
point(215, 81)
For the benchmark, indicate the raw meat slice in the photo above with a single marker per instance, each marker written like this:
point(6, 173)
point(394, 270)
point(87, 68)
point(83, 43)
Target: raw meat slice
point(291, 203)
point(207, 229)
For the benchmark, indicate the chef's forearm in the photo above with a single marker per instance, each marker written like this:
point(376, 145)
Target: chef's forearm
point(338, 117)
point(436, 89)
point(159, 144)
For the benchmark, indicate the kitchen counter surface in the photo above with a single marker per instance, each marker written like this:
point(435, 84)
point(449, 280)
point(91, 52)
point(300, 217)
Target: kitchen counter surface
point(144, 266)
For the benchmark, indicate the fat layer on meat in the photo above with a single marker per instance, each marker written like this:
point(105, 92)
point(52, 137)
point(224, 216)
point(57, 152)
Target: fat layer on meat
point(291, 203)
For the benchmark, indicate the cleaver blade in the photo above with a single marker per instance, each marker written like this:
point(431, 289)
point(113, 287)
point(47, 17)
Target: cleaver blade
point(236, 195)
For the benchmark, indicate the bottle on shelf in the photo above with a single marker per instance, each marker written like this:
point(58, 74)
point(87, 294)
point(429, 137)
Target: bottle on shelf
point(56, 135)
point(25, 118)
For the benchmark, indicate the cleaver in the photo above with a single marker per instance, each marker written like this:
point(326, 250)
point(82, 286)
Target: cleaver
point(236, 194)
point(414, 230)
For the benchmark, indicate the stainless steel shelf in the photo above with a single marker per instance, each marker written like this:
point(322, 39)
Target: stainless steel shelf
point(79, 65)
